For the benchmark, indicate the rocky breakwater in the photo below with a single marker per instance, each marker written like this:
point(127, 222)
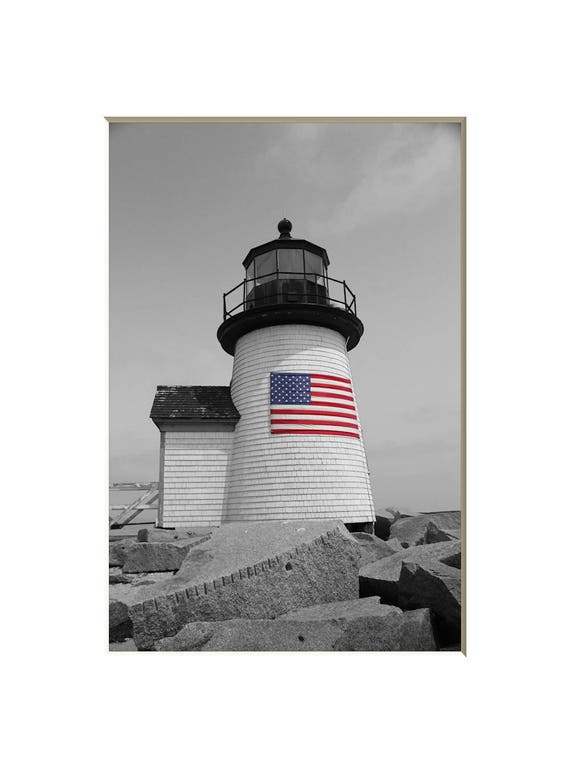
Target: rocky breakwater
point(292, 585)
point(250, 570)
point(355, 624)
point(425, 573)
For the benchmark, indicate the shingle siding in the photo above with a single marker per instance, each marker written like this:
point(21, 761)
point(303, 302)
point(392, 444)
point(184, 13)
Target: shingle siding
point(286, 476)
point(193, 477)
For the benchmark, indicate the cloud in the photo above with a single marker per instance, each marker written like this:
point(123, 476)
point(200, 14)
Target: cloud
point(348, 175)
point(408, 172)
point(294, 153)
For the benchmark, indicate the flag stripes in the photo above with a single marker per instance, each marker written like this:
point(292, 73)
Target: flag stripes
point(311, 404)
point(316, 432)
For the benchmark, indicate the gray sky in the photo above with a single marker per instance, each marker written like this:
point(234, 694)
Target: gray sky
point(188, 201)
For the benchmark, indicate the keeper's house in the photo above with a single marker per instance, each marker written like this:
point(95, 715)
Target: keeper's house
point(196, 434)
point(284, 441)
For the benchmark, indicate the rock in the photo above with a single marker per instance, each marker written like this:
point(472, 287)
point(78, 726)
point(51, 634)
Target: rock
point(395, 544)
point(250, 570)
point(449, 518)
point(453, 559)
point(120, 625)
point(120, 549)
point(340, 612)
point(371, 548)
point(436, 534)
point(338, 626)
point(407, 631)
point(129, 590)
point(383, 521)
point(258, 635)
point(446, 521)
point(429, 583)
point(401, 512)
point(159, 535)
point(366, 626)
point(381, 578)
point(418, 631)
point(120, 579)
point(155, 557)
point(412, 531)
point(118, 552)
point(127, 644)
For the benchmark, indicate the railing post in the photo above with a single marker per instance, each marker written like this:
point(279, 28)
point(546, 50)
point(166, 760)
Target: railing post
point(344, 289)
point(225, 312)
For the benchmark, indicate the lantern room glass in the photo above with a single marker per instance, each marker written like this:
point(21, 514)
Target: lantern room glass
point(265, 264)
point(286, 275)
point(290, 263)
point(314, 264)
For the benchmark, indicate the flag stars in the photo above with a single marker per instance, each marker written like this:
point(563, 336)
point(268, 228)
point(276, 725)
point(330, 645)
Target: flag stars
point(288, 388)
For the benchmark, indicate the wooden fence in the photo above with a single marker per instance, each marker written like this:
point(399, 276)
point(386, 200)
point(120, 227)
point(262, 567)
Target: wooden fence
point(145, 502)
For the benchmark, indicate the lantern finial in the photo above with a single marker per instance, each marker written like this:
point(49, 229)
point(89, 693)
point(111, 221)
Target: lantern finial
point(284, 226)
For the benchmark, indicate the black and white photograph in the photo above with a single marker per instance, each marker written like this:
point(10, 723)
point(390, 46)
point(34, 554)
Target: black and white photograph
point(285, 338)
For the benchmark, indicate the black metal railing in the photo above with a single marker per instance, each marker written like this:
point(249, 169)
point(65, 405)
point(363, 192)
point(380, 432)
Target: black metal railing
point(289, 287)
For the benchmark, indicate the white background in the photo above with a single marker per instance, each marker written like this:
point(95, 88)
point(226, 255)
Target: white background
point(71, 706)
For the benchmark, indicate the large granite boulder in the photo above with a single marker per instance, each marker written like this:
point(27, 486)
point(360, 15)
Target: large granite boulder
point(429, 583)
point(135, 556)
point(395, 544)
point(115, 578)
point(371, 548)
point(118, 551)
point(408, 631)
point(120, 625)
point(369, 625)
point(130, 587)
point(413, 531)
point(161, 535)
point(341, 612)
point(155, 557)
point(381, 578)
point(353, 625)
point(250, 570)
point(437, 534)
point(244, 634)
point(418, 633)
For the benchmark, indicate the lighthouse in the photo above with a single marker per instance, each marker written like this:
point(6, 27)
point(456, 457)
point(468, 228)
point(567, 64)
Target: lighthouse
point(284, 441)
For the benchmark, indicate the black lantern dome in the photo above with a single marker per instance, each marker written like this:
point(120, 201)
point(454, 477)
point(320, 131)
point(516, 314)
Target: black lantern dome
point(287, 281)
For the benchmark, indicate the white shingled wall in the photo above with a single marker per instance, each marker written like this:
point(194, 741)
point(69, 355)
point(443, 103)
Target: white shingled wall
point(291, 476)
point(194, 477)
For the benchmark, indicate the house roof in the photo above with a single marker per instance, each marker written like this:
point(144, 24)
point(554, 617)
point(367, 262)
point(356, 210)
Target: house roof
point(193, 404)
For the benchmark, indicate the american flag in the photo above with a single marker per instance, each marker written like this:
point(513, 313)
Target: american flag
point(312, 404)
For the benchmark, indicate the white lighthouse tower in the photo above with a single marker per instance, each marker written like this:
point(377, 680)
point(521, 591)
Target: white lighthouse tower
point(297, 450)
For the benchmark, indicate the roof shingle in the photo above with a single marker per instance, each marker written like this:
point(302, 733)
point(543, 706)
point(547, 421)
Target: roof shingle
point(193, 403)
